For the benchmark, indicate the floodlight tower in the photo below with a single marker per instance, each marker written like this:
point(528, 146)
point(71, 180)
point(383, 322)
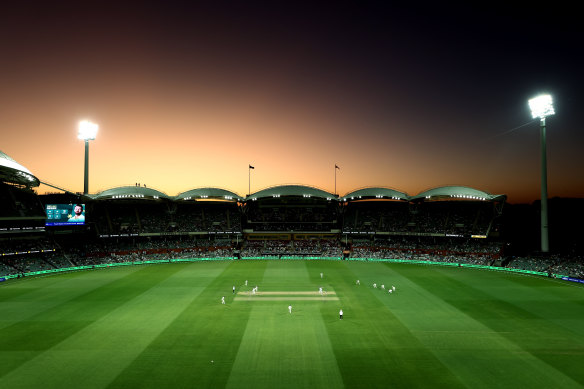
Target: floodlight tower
point(542, 107)
point(87, 132)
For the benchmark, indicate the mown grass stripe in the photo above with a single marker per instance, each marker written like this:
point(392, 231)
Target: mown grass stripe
point(49, 328)
point(180, 356)
point(552, 300)
point(372, 347)
point(290, 351)
point(43, 294)
point(497, 332)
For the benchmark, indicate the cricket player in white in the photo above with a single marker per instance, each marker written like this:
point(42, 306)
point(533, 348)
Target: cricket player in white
point(233, 289)
point(393, 287)
point(358, 282)
point(290, 308)
point(320, 275)
point(383, 286)
point(341, 314)
point(375, 285)
point(223, 300)
point(245, 282)
point(320, 290)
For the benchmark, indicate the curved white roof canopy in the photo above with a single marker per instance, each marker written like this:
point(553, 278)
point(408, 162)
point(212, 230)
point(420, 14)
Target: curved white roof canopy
point(130, 192)
point(457, 193)
point(208, 193)
point(292, 190)
point(377, 193)
point(13, 172)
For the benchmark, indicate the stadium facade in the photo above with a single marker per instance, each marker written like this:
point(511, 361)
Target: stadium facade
point(292, 209)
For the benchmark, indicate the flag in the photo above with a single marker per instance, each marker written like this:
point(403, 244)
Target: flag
point(336, 167)
point(251, 167)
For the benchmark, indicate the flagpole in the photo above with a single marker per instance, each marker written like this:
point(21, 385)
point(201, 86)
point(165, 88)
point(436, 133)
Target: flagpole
point(336, 167)
point(249, 167)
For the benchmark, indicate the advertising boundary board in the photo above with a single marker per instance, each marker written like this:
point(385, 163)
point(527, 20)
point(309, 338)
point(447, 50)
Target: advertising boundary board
point(420, 262)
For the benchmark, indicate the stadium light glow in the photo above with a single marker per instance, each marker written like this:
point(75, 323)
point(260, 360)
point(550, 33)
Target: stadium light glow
point(541, 106)
point(87, 130)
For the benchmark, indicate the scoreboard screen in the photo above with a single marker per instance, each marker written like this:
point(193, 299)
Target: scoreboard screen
point(65, 214)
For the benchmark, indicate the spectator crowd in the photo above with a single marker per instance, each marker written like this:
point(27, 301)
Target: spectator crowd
point(31, 255)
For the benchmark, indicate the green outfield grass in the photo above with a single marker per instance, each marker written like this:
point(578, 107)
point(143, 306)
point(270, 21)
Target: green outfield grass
point(164, 326)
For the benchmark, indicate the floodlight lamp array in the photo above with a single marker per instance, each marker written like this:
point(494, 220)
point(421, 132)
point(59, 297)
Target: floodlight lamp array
point(541, 106)
point(87, 130)
point(126, 196)
point(469, 197)
point(25, 176)
point(380, 196)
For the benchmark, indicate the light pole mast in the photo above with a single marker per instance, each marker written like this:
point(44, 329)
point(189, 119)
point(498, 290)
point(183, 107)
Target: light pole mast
point(542, 107)
point(87, 132)
point(544, 211)
point(86, 173)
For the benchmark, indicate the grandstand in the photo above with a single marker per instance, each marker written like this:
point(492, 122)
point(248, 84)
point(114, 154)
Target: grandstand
point(444, 224)
point(291, 209)
point(22, 219)
point(21, 210)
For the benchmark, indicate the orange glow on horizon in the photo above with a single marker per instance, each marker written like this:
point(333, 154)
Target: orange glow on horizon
point(187, 96)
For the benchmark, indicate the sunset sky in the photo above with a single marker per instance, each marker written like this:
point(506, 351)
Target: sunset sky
point(188, 94)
